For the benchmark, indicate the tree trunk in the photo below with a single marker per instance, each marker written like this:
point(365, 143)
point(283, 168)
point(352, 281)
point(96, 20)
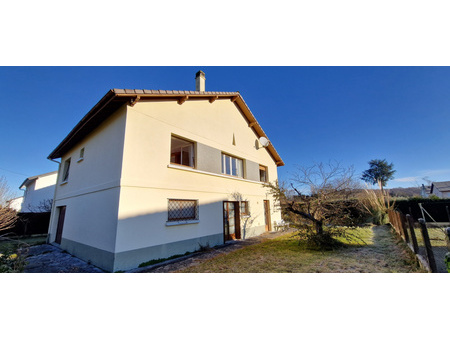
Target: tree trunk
point(319, 227)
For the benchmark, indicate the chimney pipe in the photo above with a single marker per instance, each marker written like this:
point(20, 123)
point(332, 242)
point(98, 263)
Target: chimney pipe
point(200, 81)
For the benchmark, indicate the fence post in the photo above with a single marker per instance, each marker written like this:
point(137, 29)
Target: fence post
point(413, 233)
point(428, 248)
point(404, 228)
point(447, 255)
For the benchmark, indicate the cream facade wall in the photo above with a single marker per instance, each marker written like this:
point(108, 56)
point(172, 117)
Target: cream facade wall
point(148, 179)
point(116, 197)
point(91, 194)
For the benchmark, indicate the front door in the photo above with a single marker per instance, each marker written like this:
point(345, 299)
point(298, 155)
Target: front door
point(59, 229)
point(231, 221)
point(267, 215)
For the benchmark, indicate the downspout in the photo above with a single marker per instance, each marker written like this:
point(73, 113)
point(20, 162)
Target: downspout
point(54, 200)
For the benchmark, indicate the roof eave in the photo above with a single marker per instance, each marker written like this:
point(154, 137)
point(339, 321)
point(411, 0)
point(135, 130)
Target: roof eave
point(131, 95)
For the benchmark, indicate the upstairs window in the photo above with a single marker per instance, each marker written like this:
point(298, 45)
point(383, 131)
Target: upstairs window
point(81, 155)
point(263, 177)
point(182, 152)
point(65, 176)
point(232, 166)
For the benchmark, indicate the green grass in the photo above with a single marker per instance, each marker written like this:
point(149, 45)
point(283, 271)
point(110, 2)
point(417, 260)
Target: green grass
point(160, 260)
point(6, 244)
point(437, 237)
point(381, 252)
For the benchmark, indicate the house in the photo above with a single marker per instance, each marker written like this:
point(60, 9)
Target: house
point(38, 192)
point(149, 174)
point(15, 203)
point(440, 189)
point(425, 191)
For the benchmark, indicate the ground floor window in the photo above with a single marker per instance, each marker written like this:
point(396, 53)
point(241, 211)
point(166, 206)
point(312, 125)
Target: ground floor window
point(244, 208)
point(182, 210)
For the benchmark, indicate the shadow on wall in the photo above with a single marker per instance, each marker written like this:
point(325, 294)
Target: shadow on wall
point(150, 236)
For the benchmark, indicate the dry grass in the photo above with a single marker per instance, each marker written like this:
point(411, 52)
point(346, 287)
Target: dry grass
point(381, 253)
point(377, 203)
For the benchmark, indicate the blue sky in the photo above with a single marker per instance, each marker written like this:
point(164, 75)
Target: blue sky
point(311, 114)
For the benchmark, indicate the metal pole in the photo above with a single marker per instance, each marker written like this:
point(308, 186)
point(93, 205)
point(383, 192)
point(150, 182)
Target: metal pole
point(428, 248)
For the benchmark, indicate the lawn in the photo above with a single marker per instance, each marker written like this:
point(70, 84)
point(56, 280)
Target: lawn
point(379, 251)
point(6, 244)
point(437, 237)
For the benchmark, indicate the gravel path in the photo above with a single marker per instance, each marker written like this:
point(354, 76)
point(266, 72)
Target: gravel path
point(47, 258)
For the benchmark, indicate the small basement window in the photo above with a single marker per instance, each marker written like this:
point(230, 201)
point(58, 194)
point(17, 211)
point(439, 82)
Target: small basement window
point(182, 152)
point(65, 176)
point(182, 210)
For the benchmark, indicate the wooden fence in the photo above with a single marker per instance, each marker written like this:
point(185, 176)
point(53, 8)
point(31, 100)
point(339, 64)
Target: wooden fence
point(404, 226)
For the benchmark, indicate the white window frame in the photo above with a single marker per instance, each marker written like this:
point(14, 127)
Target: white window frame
point(81, 158)
point(229, 160)
point(66, 171)
point(190, 152)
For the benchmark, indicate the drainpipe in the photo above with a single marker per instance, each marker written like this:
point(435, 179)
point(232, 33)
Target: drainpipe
point(54, 200)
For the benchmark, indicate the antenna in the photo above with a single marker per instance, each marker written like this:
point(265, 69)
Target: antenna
point(264, 141)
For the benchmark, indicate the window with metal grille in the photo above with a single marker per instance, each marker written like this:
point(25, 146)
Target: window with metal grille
point(182, 210)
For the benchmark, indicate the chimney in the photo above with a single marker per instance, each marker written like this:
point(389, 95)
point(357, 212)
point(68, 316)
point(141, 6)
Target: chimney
point(200, 81)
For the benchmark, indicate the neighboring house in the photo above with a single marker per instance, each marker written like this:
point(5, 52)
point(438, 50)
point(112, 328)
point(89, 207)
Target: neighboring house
point(39, 191)
point(15, 203)
point(425, 191)
point(440, 189)
point(149, 174)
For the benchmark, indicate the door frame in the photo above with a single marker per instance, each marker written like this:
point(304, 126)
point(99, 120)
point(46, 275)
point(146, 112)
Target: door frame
point(60, 226)
point(237, 220)
point(267, 217)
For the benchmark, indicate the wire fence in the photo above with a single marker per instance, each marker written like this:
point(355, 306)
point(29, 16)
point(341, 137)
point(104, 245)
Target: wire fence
point(429, 242)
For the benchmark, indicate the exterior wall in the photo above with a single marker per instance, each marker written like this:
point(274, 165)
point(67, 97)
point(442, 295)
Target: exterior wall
point(91, 194)
point(41, 189)
point(16, 203)
point(116, 197)
point(441, 194)
point(149, 180)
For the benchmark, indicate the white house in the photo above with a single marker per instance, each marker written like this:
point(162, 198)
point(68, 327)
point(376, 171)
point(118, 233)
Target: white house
point(148, 174)
point(15, 203)
point(440, 189)
point(39, 190)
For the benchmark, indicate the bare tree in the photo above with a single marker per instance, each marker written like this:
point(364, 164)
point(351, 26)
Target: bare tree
point(325, 195)
point(44, 205)
point(245, 220)
point(8, 216)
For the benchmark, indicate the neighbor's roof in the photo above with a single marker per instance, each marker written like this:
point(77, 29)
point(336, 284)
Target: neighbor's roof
point(33, 178)
point(117, 97)
point(441, 186)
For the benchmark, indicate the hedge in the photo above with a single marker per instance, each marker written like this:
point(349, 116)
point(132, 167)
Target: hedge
point(30, 224)
point(436, 208)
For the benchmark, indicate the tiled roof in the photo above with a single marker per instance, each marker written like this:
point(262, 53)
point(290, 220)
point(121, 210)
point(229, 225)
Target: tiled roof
point(117, 97)
point(441, 186)
point(170, 92)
